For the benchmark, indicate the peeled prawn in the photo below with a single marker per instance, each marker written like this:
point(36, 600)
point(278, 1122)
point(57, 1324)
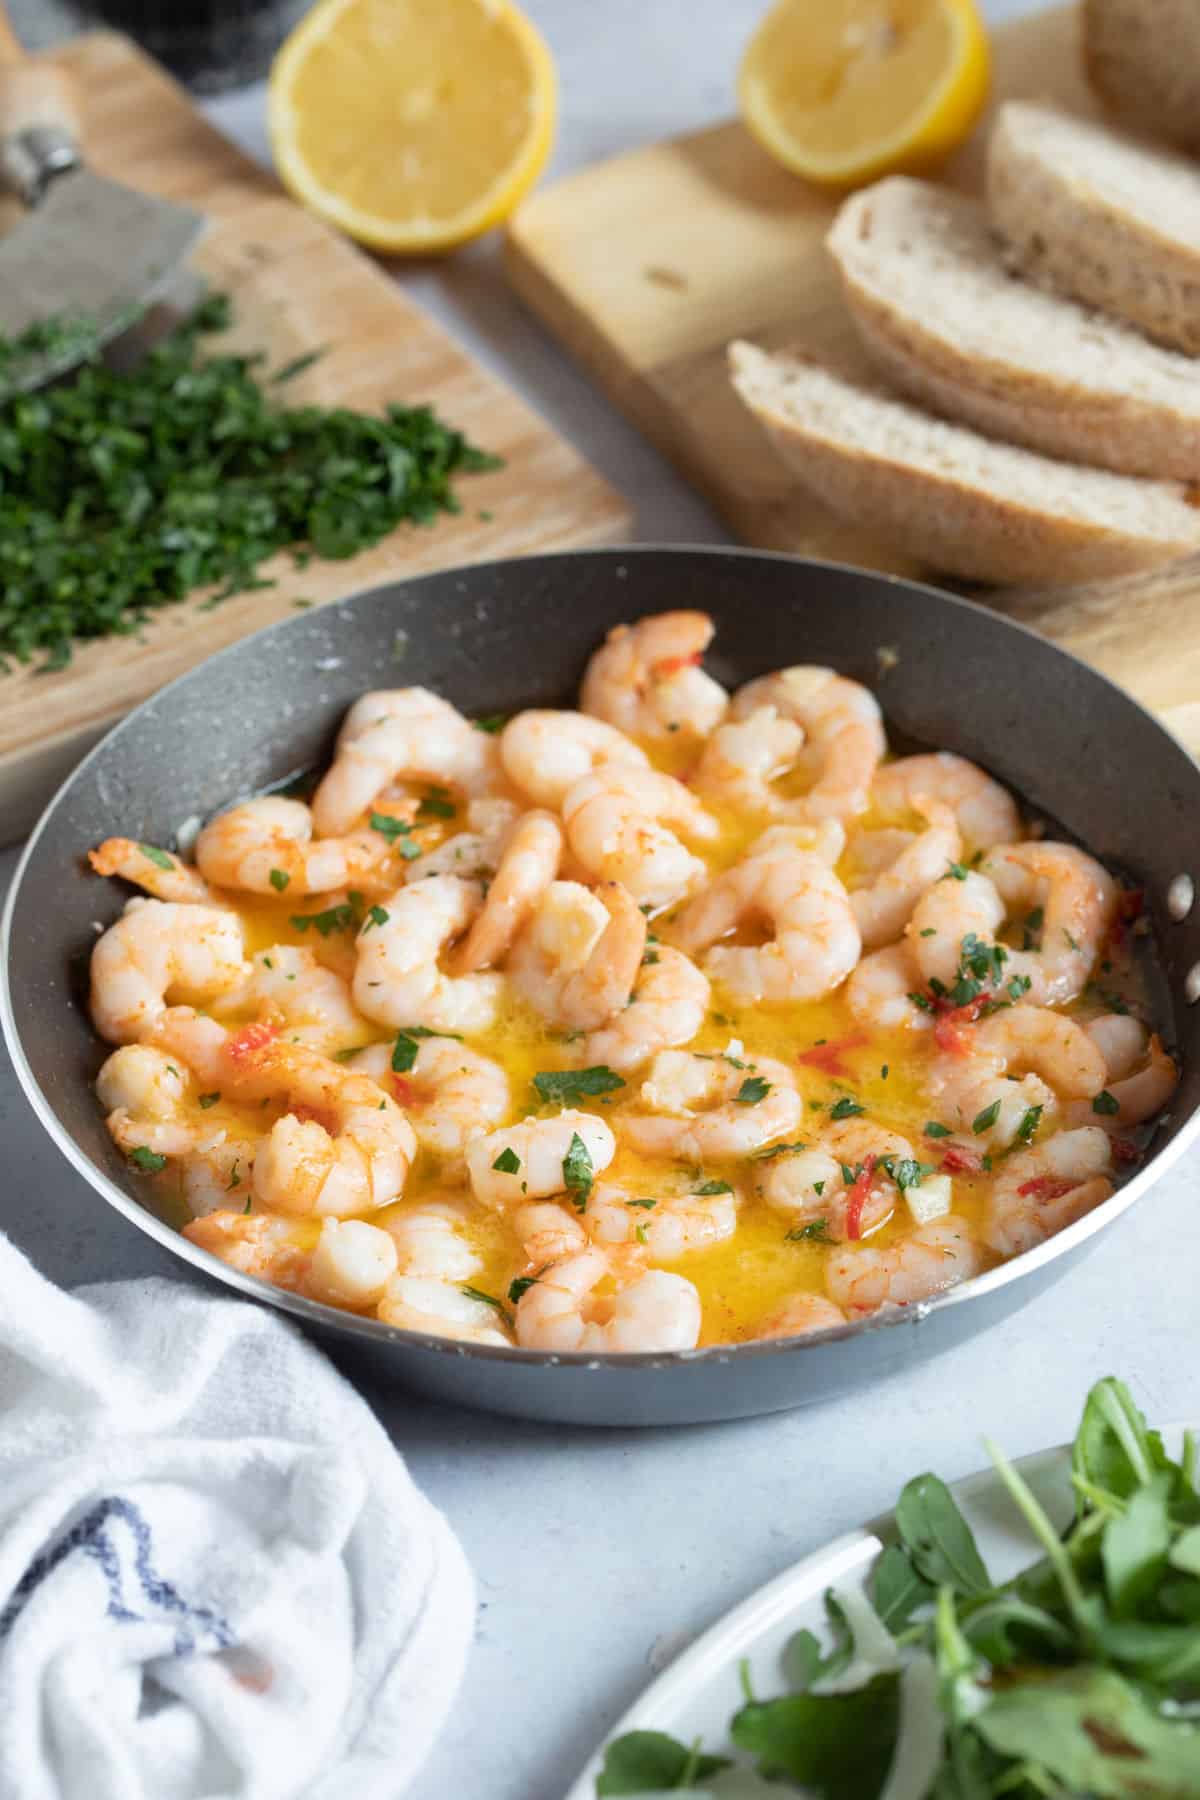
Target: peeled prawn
point(528, 864)
point(700, 1107)
point(811, 1185)
point(546, 753)
point(799, 1315)
point(414, 1303)
point(986, 812)
point(744, 758)
point(617, 826)
point(932, 1258)
point(156, 949)
point(267, 846)
point(844, 731)
point(561, 1311)
point(272, 1249)
point(1042, 1190)
point(1140, 1075)
point(1053, 1056)
point(450, 1095)
point(541, 1149)
point(666, 1226)
point(399, 979)
point(430, 1241)
point(158, 872)
point(144, 1093)
point(394, 734)
point(646, 678)
point(880, 991)
point(815, 942)
point(578, 959)
point(666, 1008)
point(287, 986)
point(1077, 899)
point(883, 908)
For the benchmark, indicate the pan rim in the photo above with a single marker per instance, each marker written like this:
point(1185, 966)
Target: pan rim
point(374, 1331)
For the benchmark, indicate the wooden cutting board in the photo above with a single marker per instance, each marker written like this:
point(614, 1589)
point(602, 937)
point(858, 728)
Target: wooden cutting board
point(647, 265)
point(296, 285)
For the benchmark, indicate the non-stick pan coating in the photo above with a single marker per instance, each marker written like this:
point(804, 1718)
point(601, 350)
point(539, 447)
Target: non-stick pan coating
point(501, 636)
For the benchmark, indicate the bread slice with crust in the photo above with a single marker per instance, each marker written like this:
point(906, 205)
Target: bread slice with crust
point(1104, 217)
point(961, 503)
point(1143, 58)
point(944, 317)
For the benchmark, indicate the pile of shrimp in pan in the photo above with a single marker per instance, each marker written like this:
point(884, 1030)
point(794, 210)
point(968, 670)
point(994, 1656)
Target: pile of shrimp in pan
point(687, 1017)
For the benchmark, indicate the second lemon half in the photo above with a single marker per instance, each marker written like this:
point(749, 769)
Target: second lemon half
point(843, 91)
point(413, 125)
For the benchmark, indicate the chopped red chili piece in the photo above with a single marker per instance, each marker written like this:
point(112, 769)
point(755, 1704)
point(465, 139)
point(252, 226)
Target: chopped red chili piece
point(1046, 1187)
point(958, 1160)
point(952, 1028)
point(856, 1199)
point(404, 1090)
point(1125, 1150)
point(828, 1056)
point(671, 665)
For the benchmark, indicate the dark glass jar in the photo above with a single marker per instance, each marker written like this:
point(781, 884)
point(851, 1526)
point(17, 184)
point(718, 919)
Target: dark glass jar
point(209, 45)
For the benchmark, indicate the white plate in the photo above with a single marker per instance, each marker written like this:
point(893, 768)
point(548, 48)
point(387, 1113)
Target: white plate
point(699, 1694)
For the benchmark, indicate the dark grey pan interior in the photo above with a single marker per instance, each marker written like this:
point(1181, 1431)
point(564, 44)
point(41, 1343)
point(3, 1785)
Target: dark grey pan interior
point(502, 636)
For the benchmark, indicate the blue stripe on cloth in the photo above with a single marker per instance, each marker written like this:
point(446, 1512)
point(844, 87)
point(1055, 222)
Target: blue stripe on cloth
point(196, 1627)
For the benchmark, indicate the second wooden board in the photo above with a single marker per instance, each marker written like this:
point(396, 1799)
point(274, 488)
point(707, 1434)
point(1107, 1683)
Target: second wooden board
point(648, 265)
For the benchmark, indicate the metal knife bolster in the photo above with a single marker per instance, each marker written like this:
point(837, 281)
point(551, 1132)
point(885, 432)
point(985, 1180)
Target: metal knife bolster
point(31, 159)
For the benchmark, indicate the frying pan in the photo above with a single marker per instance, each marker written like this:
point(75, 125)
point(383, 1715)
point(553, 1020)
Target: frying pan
point(502, 636)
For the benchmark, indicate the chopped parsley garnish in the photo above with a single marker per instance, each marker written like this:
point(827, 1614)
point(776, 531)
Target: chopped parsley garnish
point(984, 1120)
point(578, 1172)
point(815, 1232)
point(207, 1100)
point(126, 491)
point(1072, 943)
point(390, 829)
point(376, 915)
point(1019, 986)
point(508, 1162)
point(279, 879)
point(1106, 1103)
point(715, 1187)
point(1114, 1002)
point(335, 918)
point(1031, 1118)
point(159, 858)
point(929, 931)
point(474, 1293)
point(1031, 936)
point(921, 1000)
point(818, 1188)
point(846, 1109)
point(492, 723)
point(955, 872)
point(576, 1084)
point(436, 804)
point(934, 1130)
point(883, 1073)
point(752, 1090)
point(780, 1149)
point(249, 1203)
point(405, 1048)
point(148, 1160)
point(905, 1171)
point(522, 1285)
point(235, 1179)
point(646, 1205)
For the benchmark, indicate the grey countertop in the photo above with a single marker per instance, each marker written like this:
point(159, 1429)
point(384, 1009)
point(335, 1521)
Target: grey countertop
point(599, 1553)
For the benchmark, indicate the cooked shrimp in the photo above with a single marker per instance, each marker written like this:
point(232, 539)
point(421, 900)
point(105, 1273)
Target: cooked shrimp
point(344, 1148)
point(1077, 898)
point(811, 1185)
point(144, 1093)
point(193, 1038)
point(934, 1257)
point(540, 1148)
point(561, 1312)
point(399, 979)
point(159, 948)
point(351, 1264)
point(986, 812)
point(451, 1094)
point(548, 1232)
point(825, 838)
point(1140, 1074)
point(946, 913)
point(844, 728)
point(974, 1087)
point(257, 1244)
point(287, 986)
point(701, 1107)
point(666, 1226)
point(1043, 1190)
point(546, 753)
point(880, 991)
point(158, 872)
point(744, 757)
point(429, 1241)
point(884, 908)
point(475, 852)
point(646, 678)
point(579, 958)
point(394, 734)
point(527, 866)
point(815, 941)
point(266, 846)
point(212, 1171)
point(800, 1314)
point(617, 823)
point(666, 1008)
point(440, 1309)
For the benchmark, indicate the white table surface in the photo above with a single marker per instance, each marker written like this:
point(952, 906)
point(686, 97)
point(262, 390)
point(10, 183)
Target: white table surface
point(599, 1553)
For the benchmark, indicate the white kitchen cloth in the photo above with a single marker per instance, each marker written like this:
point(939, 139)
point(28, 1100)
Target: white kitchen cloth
point(216, 1576)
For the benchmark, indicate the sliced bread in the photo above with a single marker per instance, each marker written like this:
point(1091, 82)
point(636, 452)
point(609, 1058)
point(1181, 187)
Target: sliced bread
point(942, 314)
point(1102, 216)
point(963, 504)
point(1143, 58)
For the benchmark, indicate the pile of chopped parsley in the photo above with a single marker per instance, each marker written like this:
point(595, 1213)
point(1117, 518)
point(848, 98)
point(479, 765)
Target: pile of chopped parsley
point(120, 493)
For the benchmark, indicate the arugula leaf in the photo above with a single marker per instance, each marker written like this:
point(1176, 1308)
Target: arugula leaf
point(836, 1746)
point(898, 1588)
point(1091, 1731)
point(644, 1762)
point(1135, 1544)
point(938, 1538)
point(1114, 1450)
point(576, 1084)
